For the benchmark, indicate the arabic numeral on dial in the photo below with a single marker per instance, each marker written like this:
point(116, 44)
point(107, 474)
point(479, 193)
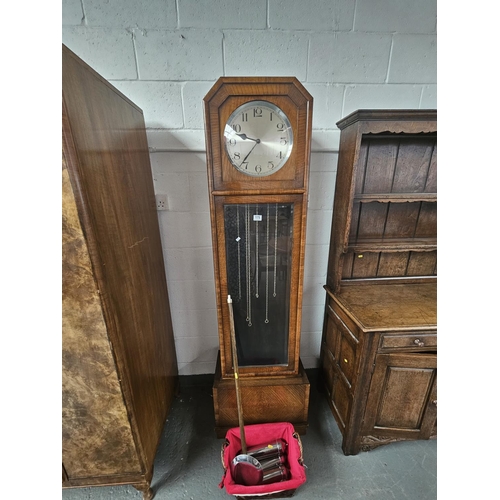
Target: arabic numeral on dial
point(280, 155)
point(237, 127)
point(257, 112)
point(232, 142)
point(270, 165)
point(244, 118)
point(258, 169)
point(244, 165)
point(283, 141)
point(236, 156)
point(280, 127)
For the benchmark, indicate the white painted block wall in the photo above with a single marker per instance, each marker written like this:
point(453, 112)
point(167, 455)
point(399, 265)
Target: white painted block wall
point(166, 54)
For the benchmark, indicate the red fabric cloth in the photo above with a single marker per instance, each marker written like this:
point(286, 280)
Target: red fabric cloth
point(259, 434)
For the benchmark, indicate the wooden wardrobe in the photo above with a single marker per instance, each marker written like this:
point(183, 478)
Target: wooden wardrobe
point(379, 344)
point(119, 367)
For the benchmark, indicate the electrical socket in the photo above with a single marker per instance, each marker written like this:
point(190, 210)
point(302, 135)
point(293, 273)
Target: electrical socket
point(161, 202)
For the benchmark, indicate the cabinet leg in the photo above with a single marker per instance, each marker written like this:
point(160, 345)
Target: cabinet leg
point(147, 492)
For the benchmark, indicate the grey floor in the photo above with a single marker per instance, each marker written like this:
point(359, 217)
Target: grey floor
point(188, 464)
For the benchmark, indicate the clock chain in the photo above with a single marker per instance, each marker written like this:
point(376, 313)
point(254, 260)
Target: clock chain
point(248, 264)
point(257, 252)
point(267, 265)
point(275, 247)
point(238, 239)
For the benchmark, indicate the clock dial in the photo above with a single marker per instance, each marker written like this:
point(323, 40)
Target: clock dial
point(258, 138)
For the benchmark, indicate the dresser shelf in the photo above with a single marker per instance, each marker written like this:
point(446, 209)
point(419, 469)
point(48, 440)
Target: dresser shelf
point(392, 245)
point(395, 197)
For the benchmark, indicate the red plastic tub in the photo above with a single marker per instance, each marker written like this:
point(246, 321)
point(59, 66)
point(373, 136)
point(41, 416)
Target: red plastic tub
point(255, 435)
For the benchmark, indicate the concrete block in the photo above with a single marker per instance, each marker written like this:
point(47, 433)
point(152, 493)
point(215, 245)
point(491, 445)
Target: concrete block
point(325, 140)
point(72, 12)
point(314, 293)
point(191, 295)
point(310, 344)
point(179, 55)
point(190, 264)
point(327, 105)
point(381, 96)
point(223, 14)
point(160, 102)
point(194, 140)
point(198, 324)
point(198, 192)
point(176, 187)
point(197, 368)
point(185, 229)
point(321, 190)
point(110, 52)
point(265, 53)
point(310, 362)
point(316, 261)
point(395, 16)
point(192, 100)
point(176, 140)
point(178, 162)
point(131, 13)
point(324, 162)
point(312, 318)
point(318, 15)
point(186, 191)
point(348, 57)
point(413, 59)
point(318, 227)
point(196, 349)
point(429, 97)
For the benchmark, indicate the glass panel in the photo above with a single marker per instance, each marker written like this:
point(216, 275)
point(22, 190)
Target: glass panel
point(259, 256)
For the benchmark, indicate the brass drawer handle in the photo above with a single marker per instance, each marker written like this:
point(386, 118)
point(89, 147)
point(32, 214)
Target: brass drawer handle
point(418, 342)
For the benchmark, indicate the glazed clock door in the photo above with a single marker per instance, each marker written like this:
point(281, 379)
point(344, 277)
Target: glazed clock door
point(259, 264)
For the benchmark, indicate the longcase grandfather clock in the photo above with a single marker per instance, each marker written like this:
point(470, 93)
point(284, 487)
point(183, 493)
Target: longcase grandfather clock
point(258, 139)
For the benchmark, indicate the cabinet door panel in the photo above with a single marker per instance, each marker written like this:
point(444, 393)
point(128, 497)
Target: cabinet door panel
point(341, 400)
point(347, 359)
point(402, 394)
point(404, 397)
point(332, 337)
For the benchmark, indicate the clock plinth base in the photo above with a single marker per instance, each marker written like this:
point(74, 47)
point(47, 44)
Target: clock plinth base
point(264, 399)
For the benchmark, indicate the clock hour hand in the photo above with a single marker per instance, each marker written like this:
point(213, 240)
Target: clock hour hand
point(245, 136)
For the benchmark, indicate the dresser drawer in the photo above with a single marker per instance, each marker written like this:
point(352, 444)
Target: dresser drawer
point(408, 341)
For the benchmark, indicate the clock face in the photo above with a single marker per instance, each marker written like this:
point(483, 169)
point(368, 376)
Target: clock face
point(258, 138)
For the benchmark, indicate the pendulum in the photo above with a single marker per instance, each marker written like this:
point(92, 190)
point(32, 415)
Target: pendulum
point(267, 266)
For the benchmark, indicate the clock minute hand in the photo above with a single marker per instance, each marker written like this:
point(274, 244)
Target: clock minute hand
point(257, 141)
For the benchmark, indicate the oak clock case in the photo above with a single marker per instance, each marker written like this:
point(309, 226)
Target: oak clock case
point(258, 148)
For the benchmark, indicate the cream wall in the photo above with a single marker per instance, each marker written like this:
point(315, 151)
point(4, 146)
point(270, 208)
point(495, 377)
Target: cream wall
point(166, 54)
